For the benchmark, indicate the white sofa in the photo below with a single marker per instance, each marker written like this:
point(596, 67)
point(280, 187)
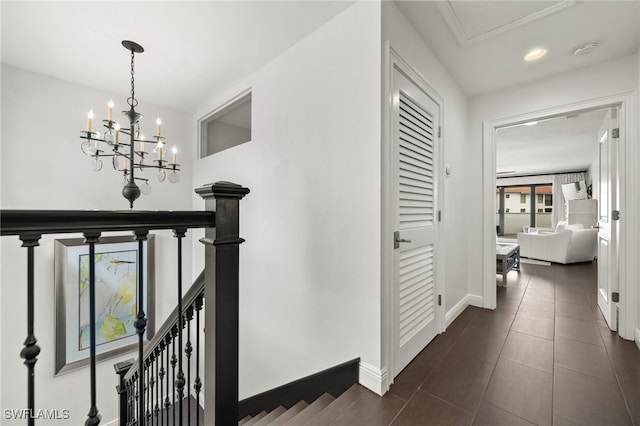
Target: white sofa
point(565, 244)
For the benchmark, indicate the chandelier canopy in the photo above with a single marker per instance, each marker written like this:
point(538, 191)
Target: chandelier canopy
point(125, 156)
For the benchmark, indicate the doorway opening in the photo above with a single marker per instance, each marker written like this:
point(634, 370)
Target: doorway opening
point(492, 173)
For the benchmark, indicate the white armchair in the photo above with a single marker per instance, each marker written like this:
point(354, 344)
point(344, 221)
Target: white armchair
point(568, 244)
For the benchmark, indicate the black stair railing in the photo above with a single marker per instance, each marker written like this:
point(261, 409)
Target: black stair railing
point(148, 387)
point(161, 408)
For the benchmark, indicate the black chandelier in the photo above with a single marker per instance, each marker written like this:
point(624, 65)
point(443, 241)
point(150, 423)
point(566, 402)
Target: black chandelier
point(126, 157)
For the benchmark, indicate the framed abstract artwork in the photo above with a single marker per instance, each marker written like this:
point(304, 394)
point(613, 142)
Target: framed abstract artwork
point(116, 295)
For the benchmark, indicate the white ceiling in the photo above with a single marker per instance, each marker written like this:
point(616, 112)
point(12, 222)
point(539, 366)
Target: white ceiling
point(497, 61)
point(482, 44)
point(192, 48)
point(195, 48)
point(561, 144)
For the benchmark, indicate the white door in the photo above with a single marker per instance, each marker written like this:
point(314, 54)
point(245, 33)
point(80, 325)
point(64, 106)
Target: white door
point(415, 118)
point(607, 223)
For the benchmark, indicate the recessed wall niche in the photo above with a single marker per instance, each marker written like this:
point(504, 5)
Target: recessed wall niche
point(227, 126)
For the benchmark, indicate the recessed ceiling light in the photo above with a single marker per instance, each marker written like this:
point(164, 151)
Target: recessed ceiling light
point(585, 49)
point(531, 123)
point(535, 54)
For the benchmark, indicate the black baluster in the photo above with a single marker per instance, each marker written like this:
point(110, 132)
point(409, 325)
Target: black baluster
point(130, 405)
point(161, 375)
point(188, 349)
point(92, 238)
point(133, 400)
point(152, 383)
point(31, 350)
point(141, 323)
point(156, 410)
point(167, 401)
point(174, 362)
point(147, 389)
point(137, 399)
point(131, 390)
point(127, 418)
point(198, 383)
point(150, 392)
point(179, 234)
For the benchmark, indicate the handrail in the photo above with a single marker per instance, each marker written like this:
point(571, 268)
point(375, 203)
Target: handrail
point(188, 300)
point(20, 222)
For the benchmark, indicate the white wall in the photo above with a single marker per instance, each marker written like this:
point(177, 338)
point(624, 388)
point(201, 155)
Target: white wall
point(593, 82)
point(404, 39)
point(310, 266)
point(43, 168)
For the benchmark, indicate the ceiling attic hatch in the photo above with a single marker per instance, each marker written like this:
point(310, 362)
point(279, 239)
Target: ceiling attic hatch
point(471, 21)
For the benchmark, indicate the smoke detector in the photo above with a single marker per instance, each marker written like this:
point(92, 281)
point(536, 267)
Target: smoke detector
point(585, 49)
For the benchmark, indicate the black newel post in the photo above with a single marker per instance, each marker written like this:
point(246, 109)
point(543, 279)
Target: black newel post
point(123, 395)
point(222, 249)
point(31, 350)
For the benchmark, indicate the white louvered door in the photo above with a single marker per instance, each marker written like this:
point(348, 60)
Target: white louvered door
point(415, 165)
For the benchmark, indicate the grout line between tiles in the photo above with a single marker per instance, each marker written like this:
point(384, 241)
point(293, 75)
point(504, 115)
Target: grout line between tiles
point(484, 392)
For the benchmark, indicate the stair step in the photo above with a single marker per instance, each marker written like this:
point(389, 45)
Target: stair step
point(289, 414)
point(337, 407)
point(244, 421)
point(256, 418)
point(311, 411)
point(271, 416)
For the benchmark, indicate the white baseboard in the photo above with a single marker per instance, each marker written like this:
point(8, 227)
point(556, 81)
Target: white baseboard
point(637, 337)
point(468, 299)
point(373, 378)
point(456, 310)
point(477, 301)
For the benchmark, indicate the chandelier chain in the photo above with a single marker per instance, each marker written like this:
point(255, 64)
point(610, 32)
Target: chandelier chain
point(132, 101)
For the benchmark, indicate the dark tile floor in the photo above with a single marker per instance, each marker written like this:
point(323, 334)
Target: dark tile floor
point(544, 356)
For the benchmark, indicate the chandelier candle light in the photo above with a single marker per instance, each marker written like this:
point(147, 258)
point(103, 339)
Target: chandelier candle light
point(126, 157)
